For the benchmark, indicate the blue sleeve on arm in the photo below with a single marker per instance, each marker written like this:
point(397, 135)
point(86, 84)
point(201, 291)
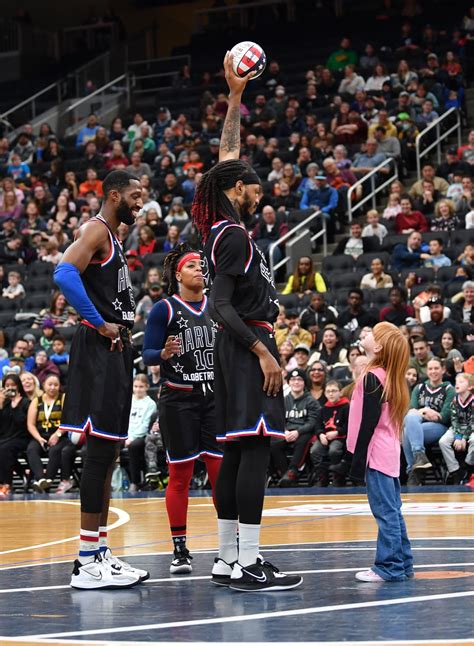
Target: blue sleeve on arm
point(155, 334)
point(68, 278)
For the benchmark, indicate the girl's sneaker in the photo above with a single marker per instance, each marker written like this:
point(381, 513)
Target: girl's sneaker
point(181, 564)
point(64, 486)
point(369, 576)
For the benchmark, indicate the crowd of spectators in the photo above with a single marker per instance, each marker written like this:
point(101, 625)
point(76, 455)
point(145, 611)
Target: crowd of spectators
point(409, 261)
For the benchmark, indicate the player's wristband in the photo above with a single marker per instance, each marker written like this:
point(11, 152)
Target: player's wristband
point(68, 278)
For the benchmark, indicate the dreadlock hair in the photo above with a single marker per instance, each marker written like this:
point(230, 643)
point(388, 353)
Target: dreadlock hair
point(210, 203)
point(170, 264)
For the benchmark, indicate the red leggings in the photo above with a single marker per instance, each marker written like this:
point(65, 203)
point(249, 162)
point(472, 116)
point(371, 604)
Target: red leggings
point(177, 491)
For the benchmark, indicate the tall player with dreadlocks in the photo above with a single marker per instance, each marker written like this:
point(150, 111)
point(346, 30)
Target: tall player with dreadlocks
point(248, 381)
point(179, 336)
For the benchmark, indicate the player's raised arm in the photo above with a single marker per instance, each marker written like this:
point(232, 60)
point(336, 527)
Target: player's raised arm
point(230, 138)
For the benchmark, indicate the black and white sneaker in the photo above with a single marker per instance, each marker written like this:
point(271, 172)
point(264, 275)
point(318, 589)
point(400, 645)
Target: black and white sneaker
point(221, 572)
point(181, 564)
point(117, 564)
point(262, 576)
point(99, 575)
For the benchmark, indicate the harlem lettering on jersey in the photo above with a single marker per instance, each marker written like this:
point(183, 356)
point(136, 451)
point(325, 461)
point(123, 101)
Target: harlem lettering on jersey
point(108, 284)
point(196, 332)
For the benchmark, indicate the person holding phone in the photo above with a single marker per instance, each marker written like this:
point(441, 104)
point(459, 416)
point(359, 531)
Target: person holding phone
point(13, 430)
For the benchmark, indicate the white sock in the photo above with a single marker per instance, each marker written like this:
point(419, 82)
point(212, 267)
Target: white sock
point(249, 542)
point(102, 539)
point(88, 546)
point(227, 530)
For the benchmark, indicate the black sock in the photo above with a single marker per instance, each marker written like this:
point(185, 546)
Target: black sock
point(179, 543)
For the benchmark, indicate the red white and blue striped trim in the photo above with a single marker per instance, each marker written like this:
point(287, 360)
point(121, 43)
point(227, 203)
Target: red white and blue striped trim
point(182, 387)
point(190, 308)
point(170, 310)
point(218, 236)
point(193, 457)
point(88, 427)
point(111, 254)
point(261, 428)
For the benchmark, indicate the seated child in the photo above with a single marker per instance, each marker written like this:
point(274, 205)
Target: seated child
point(460, 436)
point(331, 443)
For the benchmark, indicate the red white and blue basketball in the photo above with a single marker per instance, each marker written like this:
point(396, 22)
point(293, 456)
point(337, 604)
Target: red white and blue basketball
point(248, 57)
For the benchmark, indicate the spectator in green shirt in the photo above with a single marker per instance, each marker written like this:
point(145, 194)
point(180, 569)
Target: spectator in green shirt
point(342, 57)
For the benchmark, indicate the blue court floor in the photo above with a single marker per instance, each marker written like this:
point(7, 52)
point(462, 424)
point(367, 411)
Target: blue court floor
point(330, 607)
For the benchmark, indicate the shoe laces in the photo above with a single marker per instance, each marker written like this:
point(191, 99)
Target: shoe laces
point(183, 554)
point(268, 565)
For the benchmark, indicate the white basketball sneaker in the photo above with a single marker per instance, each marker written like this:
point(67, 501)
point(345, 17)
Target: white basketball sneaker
point(118, 564)
point(98, 574)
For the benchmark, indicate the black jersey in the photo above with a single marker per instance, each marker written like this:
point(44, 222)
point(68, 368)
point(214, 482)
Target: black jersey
point(196, 332)
point(108, 284)
point(255, 296)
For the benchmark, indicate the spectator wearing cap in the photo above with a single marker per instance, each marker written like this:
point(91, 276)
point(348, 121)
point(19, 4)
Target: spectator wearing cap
point(301, 355)
point(24, 148)
point(88, 132)
point(163, 121)
point(302, 422)
point(434, 329)
point(48, 332)
point(211, 157)
point(355, 245)
point(453, 165)
point(279, 102)
point(133, 261)
point(292, 331)
point(428, 172)
point(409, 255)
point(324, 198)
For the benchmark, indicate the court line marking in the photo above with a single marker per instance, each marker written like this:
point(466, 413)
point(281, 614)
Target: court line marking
point(206, 576)
point(123, 518)
point(268, 546)
point(257, 616)
point(414, 642)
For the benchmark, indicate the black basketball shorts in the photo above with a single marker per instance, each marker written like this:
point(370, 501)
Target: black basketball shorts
point(99, 386)
point(242, 407)
point(188, 423)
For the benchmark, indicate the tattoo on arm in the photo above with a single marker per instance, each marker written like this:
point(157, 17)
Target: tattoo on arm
point(230, 141)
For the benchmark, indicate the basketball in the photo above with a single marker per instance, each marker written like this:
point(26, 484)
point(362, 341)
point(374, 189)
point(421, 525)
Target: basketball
point(248, 57)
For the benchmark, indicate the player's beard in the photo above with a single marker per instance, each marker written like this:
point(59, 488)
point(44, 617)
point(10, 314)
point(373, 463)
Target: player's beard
point(245, 210)
point(124, 213)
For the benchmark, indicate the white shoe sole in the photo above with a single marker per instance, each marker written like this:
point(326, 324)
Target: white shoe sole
point(102, 585)
point(273, 588)
point(181, 569)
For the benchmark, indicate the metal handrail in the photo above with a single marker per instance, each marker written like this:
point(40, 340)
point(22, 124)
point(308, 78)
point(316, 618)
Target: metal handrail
point(122, 77)
point(439, 137)
point(374, 189)
point(33, 98)
point(150, 61)
point(290, 234)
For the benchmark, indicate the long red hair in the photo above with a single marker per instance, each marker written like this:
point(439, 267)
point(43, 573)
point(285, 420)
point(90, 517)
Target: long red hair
point(393, 358)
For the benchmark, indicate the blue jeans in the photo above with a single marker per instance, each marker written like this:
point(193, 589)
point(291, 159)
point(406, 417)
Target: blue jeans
point(393, 558)
point(417, 434)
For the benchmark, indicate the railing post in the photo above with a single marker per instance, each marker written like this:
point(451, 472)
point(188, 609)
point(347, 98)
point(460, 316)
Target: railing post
point(438, 147)
point(459, 129)
point(372, 188)
point(33, 109)
point(58, 89)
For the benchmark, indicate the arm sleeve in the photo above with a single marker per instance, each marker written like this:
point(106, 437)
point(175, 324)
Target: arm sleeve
point(225, 313)
point(304, 200)
point(155, 334)
point(288, 289)
point(68, 279)
point(371, 411)
point(231, 258)
point(319, 283)
point(414, 397)
point(314, 422)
